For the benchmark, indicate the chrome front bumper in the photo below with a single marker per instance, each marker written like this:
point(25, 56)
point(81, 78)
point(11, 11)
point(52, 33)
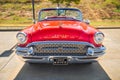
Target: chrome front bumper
point(23, 54)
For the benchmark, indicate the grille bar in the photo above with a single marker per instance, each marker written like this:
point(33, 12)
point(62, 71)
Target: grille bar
point(58, 54)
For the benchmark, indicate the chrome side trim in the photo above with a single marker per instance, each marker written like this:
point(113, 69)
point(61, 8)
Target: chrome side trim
point(21, 49)
point(99, 49)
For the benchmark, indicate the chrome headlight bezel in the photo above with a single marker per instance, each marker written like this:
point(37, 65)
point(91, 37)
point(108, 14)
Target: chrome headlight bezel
point(21, 37)
point(98, 37)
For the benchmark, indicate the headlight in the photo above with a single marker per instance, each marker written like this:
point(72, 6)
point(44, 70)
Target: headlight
point(21, 37)
point(98, 37)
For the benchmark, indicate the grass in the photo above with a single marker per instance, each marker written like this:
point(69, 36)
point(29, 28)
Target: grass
point(20, 13)
point(106, 23)
point(96, 24)
point(14, 19)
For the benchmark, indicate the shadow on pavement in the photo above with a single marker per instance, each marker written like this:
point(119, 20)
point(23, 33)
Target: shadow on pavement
point(6, 53)
point(70, 72)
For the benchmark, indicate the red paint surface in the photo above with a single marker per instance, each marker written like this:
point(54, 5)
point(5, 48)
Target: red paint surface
point(60, 31)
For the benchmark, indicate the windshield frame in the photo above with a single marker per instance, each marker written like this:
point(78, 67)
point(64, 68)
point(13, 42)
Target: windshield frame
point(73, 9)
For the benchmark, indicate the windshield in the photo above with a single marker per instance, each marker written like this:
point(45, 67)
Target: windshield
point(60, 14)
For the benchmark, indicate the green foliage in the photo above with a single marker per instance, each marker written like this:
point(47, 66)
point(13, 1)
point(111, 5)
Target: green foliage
point(117, 10)
point(18, 1)
point(67, 2)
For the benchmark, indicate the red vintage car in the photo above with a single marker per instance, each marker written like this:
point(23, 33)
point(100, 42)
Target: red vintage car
point(60, 37)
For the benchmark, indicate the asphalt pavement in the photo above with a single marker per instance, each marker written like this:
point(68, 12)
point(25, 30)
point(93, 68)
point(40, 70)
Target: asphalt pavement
point(107, 68)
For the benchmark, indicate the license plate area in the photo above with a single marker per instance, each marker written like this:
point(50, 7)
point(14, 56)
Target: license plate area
point(60, 61)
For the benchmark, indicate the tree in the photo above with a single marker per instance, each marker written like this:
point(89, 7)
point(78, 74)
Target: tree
point(67, 2)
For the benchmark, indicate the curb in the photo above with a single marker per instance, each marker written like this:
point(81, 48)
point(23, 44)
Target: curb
point(11, 28)
point(108, 28)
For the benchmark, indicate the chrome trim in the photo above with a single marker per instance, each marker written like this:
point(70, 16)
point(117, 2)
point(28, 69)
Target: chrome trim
point(21, 49)
point(99, 49)
point(60, 42)
point(22, 52)
point(50, 60)
point(60, 47)
point(95, 37)
point(85, 56)
point(24, 35)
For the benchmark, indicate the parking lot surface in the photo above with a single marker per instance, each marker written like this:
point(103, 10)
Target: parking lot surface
point(107, 68)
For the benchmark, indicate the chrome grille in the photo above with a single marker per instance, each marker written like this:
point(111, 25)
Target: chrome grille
point(59, 48)
point(62, 48)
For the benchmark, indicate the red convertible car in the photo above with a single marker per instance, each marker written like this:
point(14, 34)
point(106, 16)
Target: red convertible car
point(60, 37)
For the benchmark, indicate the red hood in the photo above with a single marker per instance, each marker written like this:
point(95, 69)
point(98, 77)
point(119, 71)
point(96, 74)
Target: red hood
point(60, 30)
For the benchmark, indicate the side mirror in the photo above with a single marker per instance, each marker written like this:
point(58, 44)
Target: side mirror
point(87, 21)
